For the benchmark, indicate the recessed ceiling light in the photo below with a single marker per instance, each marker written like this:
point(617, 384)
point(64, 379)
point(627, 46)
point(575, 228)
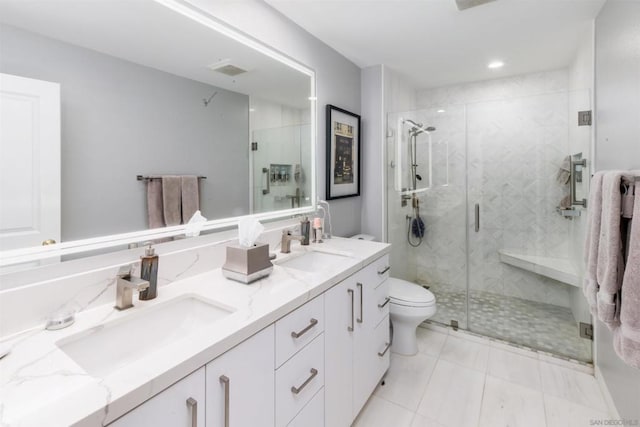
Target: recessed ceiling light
point(251, 110)
point(495, 64)
point(441, 111)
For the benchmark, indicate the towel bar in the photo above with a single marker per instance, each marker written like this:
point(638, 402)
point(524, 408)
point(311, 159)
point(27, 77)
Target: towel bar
point(149, 178)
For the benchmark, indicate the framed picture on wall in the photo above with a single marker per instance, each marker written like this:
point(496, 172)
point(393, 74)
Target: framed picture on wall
point(343, 153)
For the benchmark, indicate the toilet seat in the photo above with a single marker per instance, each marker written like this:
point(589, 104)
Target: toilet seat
point(408, 294)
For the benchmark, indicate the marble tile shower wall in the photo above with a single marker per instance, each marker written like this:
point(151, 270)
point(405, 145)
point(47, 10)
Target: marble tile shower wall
point(516, 132)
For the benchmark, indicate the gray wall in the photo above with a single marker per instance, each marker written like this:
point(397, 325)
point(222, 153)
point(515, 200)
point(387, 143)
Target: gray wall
point(617, 100)
point(373, 179)
point(337, 80)
point(119, 120)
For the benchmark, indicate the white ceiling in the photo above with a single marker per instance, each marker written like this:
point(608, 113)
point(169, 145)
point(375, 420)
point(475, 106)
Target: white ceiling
point(433, 44)
point(150, 34)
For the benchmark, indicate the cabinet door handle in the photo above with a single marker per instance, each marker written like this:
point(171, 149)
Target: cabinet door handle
point(359, 320)
point(312, 323)
point(296, 390)
point(350, 328)
point(224, 380)
point(477, 217)
point(388, 345)
point(384, 270)
point(386, 301)
point(192, 404)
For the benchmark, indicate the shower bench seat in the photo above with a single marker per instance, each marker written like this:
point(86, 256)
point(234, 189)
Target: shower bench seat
point(560, 269)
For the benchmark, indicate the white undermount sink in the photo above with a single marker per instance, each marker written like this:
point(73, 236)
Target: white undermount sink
point(314, 261)
point(104, 349)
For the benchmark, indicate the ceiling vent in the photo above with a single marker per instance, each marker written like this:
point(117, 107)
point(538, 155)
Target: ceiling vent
point(467, 4)
point(227, 69)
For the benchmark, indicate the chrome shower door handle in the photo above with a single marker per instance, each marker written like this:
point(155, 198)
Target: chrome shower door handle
point(359, 319)
point(192, 404)
point(268, 190)
point(477, 217)
point(224, 380)
point(350, 328)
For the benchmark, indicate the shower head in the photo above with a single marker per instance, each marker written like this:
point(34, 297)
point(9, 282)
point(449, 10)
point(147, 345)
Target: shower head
point(417, 128)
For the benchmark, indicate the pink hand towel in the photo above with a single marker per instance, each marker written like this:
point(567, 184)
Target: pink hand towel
point(594, 218)
point(627, 337)
point(172, 200)
point(154, 203)
point(190, 197)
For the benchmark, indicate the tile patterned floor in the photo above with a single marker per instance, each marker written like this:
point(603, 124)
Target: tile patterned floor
point(459, 380)
point(533, 324)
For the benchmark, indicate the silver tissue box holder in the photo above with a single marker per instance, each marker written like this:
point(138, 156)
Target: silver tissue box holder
point(247, 265)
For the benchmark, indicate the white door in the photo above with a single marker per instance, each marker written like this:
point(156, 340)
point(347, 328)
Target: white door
point(29, 162)
point(240, 384)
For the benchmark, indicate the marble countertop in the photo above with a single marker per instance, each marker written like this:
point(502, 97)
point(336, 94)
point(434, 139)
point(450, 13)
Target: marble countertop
point(41, 385)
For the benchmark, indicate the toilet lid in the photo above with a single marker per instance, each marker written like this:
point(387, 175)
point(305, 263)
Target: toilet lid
point(407, 293)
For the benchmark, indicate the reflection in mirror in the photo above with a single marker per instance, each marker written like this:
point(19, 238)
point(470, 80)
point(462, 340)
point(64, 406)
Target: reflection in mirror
point(99, 96)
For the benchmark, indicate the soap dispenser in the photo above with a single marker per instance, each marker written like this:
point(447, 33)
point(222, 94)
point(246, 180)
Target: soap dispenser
point(305, 228)
point(149, 272)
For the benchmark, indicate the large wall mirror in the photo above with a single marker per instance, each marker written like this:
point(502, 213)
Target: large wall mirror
point(113, 114)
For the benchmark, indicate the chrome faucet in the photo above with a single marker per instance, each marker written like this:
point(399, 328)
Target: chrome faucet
point(287, 237)
point(126, 283)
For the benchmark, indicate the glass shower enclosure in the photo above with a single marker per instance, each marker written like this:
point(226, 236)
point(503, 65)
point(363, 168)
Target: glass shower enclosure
point(501, 237)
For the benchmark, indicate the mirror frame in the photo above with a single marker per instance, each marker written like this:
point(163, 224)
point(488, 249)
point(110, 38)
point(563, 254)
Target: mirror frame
point(37, 253)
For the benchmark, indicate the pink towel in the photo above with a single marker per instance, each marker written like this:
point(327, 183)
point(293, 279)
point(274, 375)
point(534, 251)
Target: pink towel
point(627, 337)
point(172, 200)
point(154, 203)
point(594, 217)
point(190, 197)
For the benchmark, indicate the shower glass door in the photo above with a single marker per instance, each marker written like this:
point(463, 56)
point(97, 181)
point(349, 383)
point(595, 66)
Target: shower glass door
point(439, 259)
point(516, 147)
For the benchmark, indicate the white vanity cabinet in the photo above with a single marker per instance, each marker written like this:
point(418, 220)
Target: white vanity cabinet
point(176, 406)
point(356, 341)
point(240, 384)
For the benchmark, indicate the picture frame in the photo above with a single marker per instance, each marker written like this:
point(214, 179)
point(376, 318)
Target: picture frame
point(343, 153)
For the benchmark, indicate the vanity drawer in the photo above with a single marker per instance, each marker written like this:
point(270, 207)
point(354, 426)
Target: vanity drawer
point(312, 415)
point(298, 381)
point(299, 328)
point(378, 306)
point(378, 270)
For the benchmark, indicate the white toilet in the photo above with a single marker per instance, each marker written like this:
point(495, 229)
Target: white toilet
point(410, 304)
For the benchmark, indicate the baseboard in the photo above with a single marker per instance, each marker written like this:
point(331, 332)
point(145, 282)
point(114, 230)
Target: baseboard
point(613, 412)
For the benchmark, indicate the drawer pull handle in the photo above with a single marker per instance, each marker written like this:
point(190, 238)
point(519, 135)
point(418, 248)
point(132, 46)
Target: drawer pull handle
point(312, 323)
point(296, 390)
point(386, 301)
point(388, 346)
point(359, 319)
point(384, 270)
point(350, 328)
point(224, 380)
point(192, 404)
